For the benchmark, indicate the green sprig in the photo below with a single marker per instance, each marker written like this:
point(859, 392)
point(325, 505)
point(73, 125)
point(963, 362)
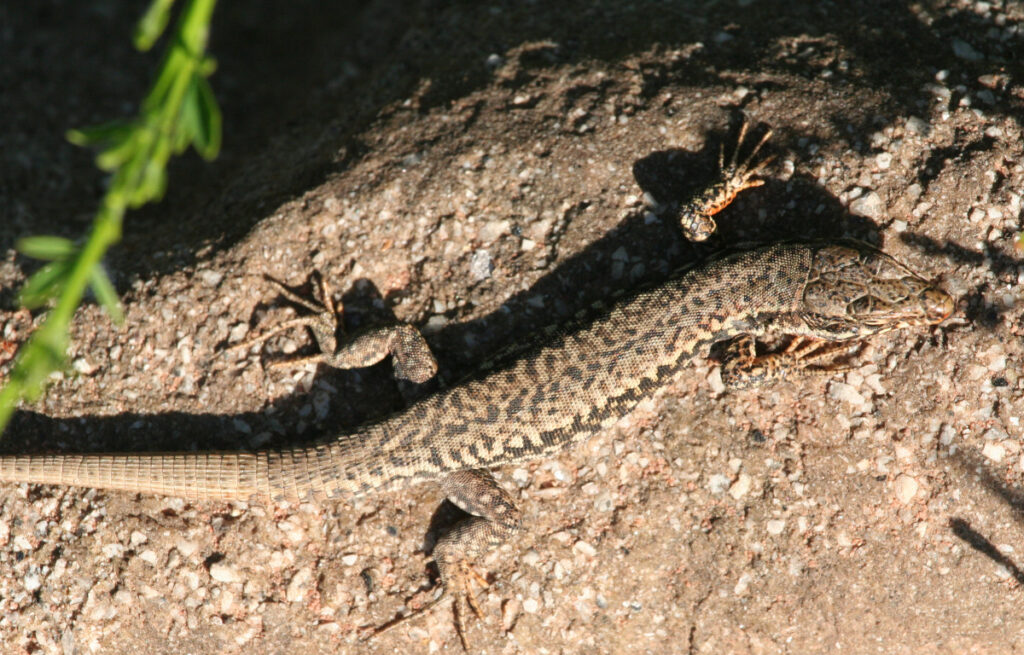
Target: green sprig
point(179, 111)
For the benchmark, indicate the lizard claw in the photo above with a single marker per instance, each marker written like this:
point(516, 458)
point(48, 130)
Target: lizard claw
point(458, 591)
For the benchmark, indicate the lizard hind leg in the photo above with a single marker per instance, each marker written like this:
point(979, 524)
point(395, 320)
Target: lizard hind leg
point(493, 519)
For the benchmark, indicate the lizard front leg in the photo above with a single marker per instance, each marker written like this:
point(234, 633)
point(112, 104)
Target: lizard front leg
point(413, 360)
point(743, 368)
point(696, 215)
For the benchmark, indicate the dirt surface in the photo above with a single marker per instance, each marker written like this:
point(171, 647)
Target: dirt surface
point(480, 170)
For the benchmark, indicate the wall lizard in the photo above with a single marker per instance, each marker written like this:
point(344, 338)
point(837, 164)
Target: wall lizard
point(576, 380)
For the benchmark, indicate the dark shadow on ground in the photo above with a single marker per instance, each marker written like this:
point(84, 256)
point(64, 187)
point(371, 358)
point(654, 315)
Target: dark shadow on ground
point(1004, 265)
point(971, 464)
point(980, 543)
point(299, 83)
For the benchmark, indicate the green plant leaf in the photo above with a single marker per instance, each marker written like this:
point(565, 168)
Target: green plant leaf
point(118, 153)
point(152, 186)
point(152, 24)
point(208, 135)
point(105, 293)
point(46, 247)
point(188, 120)
point(44, 284)
point(48, 355)
point(101, 135)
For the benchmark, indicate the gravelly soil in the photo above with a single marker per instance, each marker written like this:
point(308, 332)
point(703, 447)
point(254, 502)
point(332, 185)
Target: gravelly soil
point(479, 171)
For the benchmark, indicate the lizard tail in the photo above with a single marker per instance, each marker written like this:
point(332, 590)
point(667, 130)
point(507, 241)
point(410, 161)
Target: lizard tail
point(189, 475)
point(291, 474)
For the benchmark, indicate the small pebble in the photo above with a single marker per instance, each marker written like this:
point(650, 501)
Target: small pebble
point(869, 205)
point(491, 230)
point(224, 573)
point(110, 551)
point(509, 613)
point(210, 277)
point(741, 487)
point(584, 548)
point(743, 584)
point(84, 366)
point(300, 585)
point(187, 548)
point(718, 483)
point(964, 50)
point(917, 126)
point(846, 393)
point(994, 452)
point(906, 488)
point(481, 265)
point(32, 581)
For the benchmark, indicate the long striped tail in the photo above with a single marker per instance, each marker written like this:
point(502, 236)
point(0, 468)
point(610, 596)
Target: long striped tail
point(317, 472)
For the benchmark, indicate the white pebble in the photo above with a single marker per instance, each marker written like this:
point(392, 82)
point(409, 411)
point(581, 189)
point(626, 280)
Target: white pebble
point(743, 584)
point(584, 548)
point(492, 230)
point(906, 488)
point(718, 483)
point(846, 393)
point(741, 487)
point(211, 278)
point(110, 551)
point(32, 581)
point(186, 547)
point(481, 265)
point(869, 206)
point(299, 586)
point(994, 452)
point(224, 573)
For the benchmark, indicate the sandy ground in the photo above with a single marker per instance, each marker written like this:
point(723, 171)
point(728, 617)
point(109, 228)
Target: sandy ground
point(478, 170)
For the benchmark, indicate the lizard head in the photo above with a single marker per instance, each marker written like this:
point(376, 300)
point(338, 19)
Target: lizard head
point(855, 290)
